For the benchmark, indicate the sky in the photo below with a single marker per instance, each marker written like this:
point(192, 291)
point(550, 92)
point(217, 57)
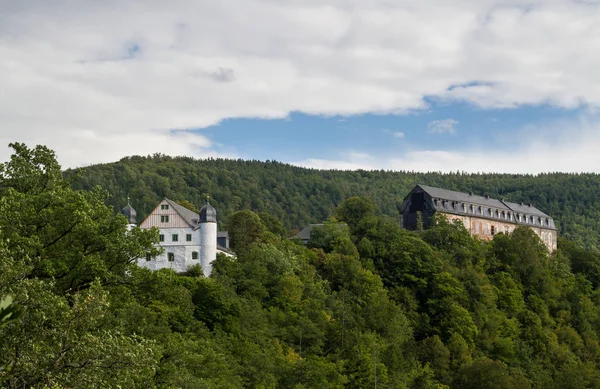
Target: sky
point(431, 85)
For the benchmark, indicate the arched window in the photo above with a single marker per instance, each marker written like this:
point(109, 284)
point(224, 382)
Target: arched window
point(194, 255)
point(171, 257)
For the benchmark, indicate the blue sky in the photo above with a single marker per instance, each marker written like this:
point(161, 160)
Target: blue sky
point(301, 137)
point(478, 86)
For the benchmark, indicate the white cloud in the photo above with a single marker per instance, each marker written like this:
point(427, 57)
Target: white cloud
point(566, 146)
point(446, 126)
point(99, 80)
point(398, 134)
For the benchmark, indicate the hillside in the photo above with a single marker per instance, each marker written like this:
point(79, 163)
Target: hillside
point(364, 304)
point(299, 196)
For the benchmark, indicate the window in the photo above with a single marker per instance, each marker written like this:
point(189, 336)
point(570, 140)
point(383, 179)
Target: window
point(547, 222)
point(194, 255)
point(492, 230)
point(480, 211)
point(175, 238)
point(164, 206)
point(164, 218)
point(171, 257)
point(477, 228)
point(188, 237)
point(532, 220)
point(506, 230)
point(465, 223)
point(525, 219)
point(464, 208)
point(148, 257)
point(486, 228)
point(540, 220)
point(161, 238)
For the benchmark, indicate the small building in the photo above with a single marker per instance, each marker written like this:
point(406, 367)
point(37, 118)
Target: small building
point(187, 238)
point(304, 234)
point(482, 216)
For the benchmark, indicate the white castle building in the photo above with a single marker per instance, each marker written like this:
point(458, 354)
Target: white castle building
point(187, 238)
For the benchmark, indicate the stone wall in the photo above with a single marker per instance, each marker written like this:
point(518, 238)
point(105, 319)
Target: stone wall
point(486, 229)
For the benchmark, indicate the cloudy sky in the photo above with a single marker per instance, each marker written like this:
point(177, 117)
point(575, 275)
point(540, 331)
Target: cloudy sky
point(472, 85)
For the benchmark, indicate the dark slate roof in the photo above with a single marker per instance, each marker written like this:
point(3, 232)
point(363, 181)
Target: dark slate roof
point(208, 214)
point(525, 209)
point(452, 202)
point(305, 233)
point(190, 217)
point(451, 195)
point(129, 213)
point(225, 249)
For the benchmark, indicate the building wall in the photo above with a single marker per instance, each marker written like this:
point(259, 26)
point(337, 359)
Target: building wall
point(482, 228)
point(182, 250)
point(183, 258)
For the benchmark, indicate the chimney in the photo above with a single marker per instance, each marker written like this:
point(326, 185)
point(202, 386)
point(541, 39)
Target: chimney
point(487, 196)
point(470, 193)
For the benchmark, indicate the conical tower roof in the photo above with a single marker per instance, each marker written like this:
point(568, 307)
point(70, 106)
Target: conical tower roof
point(129, 213)
point(208, 214)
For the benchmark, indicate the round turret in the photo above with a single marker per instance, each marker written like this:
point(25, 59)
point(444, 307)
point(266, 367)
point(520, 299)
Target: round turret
point(208, 214)
point(129, 213)
point(208, 237)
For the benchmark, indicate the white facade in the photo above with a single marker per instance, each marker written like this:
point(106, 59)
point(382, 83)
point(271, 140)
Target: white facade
point(186, 241)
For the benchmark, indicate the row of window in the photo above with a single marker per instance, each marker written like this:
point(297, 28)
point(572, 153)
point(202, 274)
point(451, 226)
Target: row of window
point(175, 237)
point(487, 229)
point(171, 256)
point(479, 210)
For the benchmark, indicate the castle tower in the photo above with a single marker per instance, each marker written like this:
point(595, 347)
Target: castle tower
point(130, 214)
point(208, 237)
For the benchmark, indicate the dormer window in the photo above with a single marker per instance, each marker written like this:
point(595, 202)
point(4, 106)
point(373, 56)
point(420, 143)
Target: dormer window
point(525, 219)
point(164, 206)
point(480, 211)
point(464, 208)
point(547, 222)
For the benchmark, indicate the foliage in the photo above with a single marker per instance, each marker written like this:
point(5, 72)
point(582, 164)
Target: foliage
point(299, 196)
point(364, 304)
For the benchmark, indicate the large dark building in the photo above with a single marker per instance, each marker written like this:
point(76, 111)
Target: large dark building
point(482, 216)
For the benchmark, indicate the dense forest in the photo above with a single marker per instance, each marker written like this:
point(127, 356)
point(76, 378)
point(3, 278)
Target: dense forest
point(364, 305)
point(299, 196)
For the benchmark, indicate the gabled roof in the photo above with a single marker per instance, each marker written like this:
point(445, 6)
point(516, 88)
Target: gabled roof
point(190, 217)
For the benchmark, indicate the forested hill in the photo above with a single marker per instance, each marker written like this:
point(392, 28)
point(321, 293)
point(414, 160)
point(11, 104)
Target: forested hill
point(299, 196)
